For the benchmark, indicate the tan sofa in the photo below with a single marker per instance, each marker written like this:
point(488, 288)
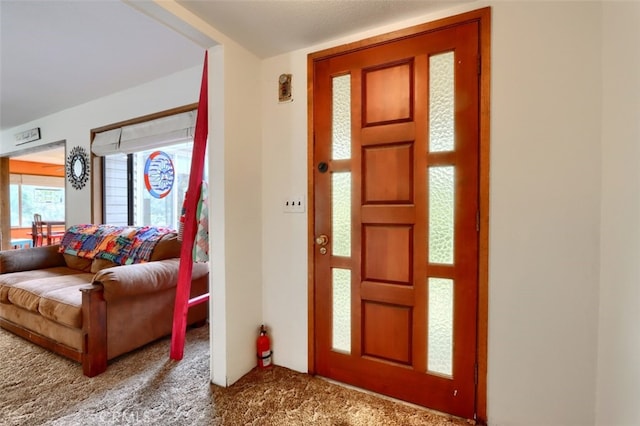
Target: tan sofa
point(91, 310)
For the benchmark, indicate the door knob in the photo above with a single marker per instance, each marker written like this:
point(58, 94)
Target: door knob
point(322, 240)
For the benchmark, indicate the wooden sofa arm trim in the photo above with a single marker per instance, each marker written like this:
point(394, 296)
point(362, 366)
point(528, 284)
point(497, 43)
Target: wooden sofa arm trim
point(94, 331)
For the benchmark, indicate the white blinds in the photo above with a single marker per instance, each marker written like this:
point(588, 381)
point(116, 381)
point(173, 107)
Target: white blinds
point(157, 133)
point(106, 143)
point(36, 180)
point(147, 135)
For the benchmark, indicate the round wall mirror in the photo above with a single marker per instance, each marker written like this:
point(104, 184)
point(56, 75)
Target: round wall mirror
point(78, 167)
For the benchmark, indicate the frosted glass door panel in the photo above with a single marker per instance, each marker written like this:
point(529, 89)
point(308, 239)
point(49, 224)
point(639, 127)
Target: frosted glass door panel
point(441, 214)
point(441, 102)
point(341, 118)
point(341, 315)
point(341, 214)
point(440, 339)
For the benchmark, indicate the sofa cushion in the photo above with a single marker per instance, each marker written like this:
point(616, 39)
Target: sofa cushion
point(78, 263)
point(131, 280)
point(27, 294)
point(140, 278)
point(9, 280)
point(168, 247)
point(63, 305)
point(99, 264)
point(30, 259)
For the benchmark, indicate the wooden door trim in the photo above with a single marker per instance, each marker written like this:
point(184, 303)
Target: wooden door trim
point(483, 17)
point(5, 206)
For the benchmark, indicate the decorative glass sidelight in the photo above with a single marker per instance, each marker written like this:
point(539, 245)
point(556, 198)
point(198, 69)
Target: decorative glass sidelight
point(441, 214)
point(341, 214)
point(441, 102)
point(341, 118)
point(440, 329)
point(341, 310)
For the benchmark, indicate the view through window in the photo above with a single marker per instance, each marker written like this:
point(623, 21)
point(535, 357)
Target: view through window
point(36, 194)
point(147, 187)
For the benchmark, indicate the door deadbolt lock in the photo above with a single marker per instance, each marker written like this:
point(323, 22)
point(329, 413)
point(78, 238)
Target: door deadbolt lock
point(323, 167)
point(323, 250)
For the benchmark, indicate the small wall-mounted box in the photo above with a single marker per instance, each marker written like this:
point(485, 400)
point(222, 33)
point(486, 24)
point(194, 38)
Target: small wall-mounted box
point(284, 88)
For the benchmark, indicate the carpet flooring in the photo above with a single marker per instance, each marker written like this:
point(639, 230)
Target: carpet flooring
point(38, 387)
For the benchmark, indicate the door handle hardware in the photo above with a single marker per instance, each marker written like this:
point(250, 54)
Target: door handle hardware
point(322, 240)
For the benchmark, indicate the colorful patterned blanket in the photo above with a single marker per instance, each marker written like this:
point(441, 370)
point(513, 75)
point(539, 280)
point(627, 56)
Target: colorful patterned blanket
point(119, 244)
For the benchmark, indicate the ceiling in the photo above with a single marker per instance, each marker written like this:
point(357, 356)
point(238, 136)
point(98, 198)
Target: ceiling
point(272, 27)
point(56, 55)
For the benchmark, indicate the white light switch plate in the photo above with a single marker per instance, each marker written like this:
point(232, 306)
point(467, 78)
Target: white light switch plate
point(294, 204)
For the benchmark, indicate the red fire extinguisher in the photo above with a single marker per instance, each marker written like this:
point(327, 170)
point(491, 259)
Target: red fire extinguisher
point(264, 349)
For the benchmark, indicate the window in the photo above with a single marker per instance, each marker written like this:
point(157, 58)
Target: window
point(145, 167)
point(130, 195)
point(36, 194)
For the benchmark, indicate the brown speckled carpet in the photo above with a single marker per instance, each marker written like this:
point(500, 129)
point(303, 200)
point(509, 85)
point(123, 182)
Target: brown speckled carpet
point(38, 387)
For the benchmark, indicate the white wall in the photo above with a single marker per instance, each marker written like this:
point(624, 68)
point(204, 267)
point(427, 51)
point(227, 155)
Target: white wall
point(619, 339)
point(236, 206)
point(545, 198)
point(284, 240)
point(545, 210)
point(74, 124)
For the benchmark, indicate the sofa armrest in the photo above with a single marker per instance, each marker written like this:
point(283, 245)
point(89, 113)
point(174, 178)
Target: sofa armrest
point(30, 259)
point(94, 331)
point(141, 278)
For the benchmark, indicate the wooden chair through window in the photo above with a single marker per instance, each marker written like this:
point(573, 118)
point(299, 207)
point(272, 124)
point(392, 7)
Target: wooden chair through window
point(40, 234)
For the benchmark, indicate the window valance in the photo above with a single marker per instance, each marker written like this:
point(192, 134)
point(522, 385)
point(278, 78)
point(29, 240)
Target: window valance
point(147, 135)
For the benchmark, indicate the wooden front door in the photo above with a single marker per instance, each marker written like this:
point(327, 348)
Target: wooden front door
point(396, 214)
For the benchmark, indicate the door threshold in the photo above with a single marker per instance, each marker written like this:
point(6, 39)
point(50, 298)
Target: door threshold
point(399, 401)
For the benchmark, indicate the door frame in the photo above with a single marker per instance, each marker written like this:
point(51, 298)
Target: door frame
point(5, 183)
point(483, 17)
